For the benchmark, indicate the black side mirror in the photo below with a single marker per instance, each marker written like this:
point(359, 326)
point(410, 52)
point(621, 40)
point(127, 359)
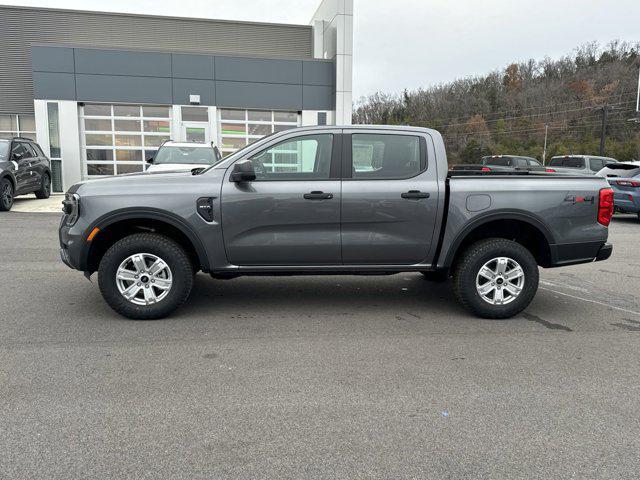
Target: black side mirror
point(149, 159)
point(216, 152)
point(243, 172)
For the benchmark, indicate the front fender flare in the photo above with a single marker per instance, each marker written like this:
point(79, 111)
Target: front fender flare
point(147, 213)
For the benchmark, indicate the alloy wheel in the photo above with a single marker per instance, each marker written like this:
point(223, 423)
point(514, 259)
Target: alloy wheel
point(144, 279)
point(7, 195)
point(500, 281)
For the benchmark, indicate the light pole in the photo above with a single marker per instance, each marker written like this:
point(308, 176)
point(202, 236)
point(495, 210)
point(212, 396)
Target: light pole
point(544, 151)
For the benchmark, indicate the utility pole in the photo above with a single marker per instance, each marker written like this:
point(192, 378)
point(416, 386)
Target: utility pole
point(544, 151)
point(604, 129)
point(605, 109)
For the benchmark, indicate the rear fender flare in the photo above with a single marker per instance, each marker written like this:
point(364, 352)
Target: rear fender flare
point(525, 217)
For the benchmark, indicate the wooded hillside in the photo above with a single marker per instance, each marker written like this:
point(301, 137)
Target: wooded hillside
point(505, 112)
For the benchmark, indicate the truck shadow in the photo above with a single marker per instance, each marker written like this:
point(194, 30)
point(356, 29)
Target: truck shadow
point(330, 294)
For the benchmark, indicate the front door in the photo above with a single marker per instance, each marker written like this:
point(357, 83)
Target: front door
point(290, 215)
point(389, 198)
point(198, 132)
point(22, 158)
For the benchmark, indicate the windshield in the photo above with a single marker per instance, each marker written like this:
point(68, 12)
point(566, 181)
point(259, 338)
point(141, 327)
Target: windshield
point(4, 150)
point(567, 162)
point(185, 155)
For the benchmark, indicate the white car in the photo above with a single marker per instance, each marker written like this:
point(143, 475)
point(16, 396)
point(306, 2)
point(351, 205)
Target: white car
point(183, 156)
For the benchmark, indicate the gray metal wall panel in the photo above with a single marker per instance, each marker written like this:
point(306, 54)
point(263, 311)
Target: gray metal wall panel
point(120, 62)
point(258, 70)
point(183, 87)
point(55, 86)
point(192, 66)
point(275, 83)
point(259, 95)
point(52, 59)
point(318, 73)
point(112, 30)
point(109, 88)
point(318, 97)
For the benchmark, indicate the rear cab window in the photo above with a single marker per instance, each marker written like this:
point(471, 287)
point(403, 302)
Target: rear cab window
point(567, 162)
point(498, 161)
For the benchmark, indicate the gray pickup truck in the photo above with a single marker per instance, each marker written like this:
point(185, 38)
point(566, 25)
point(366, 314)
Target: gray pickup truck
point(333, 200)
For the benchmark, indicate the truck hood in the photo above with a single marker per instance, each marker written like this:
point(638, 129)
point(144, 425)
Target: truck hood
point(167, 181)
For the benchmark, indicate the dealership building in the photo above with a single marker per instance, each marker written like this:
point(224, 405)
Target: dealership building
point(101, 91)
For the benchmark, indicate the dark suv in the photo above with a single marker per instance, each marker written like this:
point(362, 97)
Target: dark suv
point(24, 168)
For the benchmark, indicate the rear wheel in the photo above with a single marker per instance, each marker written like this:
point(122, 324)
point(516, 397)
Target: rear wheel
point(6, 195)
point(45, 187)
point(496, 278)
point(145, 276)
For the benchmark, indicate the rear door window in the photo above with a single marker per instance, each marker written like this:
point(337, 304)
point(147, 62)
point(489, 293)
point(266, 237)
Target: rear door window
point(382, 156)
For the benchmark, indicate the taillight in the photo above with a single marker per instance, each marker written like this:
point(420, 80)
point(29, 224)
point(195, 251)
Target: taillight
point(628, 183)
point(486, 169)
point(549, 170)
point(605, 207)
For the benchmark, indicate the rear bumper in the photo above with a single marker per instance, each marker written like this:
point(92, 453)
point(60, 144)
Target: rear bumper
point(605, 252)
point(575, 253)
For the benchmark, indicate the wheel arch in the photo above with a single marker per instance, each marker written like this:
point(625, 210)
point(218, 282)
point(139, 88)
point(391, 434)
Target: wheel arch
point(521, 227)
point(120, 223)
point(9, 176)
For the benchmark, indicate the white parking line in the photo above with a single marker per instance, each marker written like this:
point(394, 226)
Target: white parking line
point(591, 301)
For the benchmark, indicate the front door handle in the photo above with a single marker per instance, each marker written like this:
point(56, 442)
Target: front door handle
point(415, 194)
point(316, 195)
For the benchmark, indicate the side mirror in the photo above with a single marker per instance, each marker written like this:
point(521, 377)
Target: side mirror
point(16, 156)
point(149, 159)
point(243, 172)
point(216, 152)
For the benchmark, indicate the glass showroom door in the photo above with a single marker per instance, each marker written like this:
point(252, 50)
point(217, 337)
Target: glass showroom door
point(196, 132)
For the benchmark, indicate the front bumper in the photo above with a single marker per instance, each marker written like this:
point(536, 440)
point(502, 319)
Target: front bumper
point(72, 246)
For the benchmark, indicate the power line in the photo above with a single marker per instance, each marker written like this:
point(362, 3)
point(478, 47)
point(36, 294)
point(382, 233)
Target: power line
point(535, 115)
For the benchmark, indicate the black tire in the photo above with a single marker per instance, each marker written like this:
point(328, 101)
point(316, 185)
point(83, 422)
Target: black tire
point(474, 258)
point(6, 195)
point(154, 244)
point(45, 187)
point(438, 276)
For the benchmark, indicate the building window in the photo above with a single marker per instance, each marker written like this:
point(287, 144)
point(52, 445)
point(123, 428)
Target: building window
point(55, 153)
point(238, 128)
point(18, 125)
point(118, 138)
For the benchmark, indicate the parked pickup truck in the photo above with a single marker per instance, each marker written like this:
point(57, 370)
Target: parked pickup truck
point(502, 163)
point(333, 200)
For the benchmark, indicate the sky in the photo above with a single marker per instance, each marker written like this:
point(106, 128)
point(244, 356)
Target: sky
point(410, 44)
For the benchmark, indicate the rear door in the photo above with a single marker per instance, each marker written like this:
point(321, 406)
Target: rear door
point(290, 215)
point(389, 197)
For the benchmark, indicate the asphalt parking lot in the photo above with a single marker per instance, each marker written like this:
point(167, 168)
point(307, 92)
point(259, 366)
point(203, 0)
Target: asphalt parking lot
point(317, 377)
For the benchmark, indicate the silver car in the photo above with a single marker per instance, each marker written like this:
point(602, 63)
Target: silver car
point(624, 178)
point(578, 164)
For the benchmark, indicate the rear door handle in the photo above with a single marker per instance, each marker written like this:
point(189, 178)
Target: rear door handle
point(415, 194)
point(316, 195)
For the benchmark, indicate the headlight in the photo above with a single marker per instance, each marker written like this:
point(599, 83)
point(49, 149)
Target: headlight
point(71, 207)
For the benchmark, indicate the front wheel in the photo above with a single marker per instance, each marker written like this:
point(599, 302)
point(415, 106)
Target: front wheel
point(496, 278)
point(6, 195)
point(145, 276)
